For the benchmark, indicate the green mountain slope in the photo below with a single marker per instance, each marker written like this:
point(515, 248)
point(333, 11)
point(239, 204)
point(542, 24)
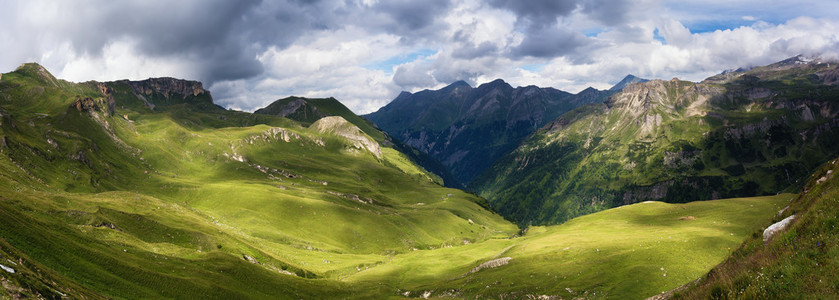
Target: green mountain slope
point(737, 134)
point(166, 201)
point(188, 200)
point(309, 110)
point(799, 262)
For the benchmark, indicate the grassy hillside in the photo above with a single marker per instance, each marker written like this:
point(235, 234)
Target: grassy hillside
point(797, 263)
point(187, 191)
point(741, 134)
point(184, 199)
point(309, 110)
point(630, 252)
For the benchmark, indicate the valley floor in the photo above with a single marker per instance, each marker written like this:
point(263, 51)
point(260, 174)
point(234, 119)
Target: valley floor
point(629, 252)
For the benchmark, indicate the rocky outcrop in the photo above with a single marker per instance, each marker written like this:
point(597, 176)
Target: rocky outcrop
point(681, 159)
point(491, 264)
point(338, 126)
point(830, 77)
point(300, 105)
point(645, 193)
point(108, 92)
point(773, 229)
point(85, 104)
point(167, 87)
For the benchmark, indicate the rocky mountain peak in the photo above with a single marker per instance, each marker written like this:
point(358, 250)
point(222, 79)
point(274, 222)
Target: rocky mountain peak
point(496, 84)
point(629, 79)
point(459, 83)
point(588, 90)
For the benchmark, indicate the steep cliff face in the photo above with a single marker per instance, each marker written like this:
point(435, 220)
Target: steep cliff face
point(735, 134)
point(167, 87)
point(468, 128)
point(160, 92)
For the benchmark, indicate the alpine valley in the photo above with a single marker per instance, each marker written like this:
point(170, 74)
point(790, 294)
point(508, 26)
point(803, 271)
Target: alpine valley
point(147, 189)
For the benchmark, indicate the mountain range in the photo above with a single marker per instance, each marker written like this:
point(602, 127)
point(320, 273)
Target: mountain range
point(745, 133)
point(467, 128)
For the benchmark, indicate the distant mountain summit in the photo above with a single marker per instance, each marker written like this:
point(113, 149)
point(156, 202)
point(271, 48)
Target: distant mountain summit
point(294, 108)
point(467, 128)
point(309, 110)
point(629, 79)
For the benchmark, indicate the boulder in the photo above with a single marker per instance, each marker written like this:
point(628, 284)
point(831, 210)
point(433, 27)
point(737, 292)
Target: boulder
point(777, 227)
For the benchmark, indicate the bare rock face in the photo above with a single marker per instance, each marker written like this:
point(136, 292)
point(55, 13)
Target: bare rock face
point(491, 264)
point(168, 87)
point(85, 104)
point(338, 126)
point(297, 105)
point(777, 227)
point(108, 92)
point(830, 77)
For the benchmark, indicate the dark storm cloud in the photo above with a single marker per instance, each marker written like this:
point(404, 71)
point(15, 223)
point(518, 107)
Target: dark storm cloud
point(607, 12)
point(545, 12)
point(220, 39)
point(410, 15)
point(413, 21)
point(550, 42)
point(544, 35)
point(470, 50)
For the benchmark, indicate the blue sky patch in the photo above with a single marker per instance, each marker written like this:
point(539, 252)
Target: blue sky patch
point(388, 64)
point(536, 68)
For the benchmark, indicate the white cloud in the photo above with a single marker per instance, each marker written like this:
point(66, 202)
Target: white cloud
point(327, 64)
point(254, 53)
point(118, 60)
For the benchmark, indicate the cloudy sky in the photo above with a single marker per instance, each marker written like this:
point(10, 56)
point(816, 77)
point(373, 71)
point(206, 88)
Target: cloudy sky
point(364, 52)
